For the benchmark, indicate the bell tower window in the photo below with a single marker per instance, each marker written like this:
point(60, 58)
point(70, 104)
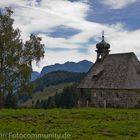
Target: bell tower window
point(102, 48)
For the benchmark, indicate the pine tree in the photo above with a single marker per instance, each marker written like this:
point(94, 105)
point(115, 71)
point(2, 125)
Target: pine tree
point(51, 102)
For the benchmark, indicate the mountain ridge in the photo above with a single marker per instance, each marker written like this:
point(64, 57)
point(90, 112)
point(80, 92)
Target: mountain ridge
point(79, 67)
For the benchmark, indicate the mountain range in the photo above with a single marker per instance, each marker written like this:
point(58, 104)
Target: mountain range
point(79, 67)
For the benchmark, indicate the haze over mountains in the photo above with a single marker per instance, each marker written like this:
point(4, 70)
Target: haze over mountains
point(79, 67)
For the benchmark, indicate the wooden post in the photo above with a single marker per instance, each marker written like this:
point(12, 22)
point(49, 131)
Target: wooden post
point(81, 98)
point(78, 103)
point(105, 104)
point(127, 103)
point(87, 103)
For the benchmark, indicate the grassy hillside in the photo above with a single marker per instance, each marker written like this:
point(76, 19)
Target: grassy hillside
point(81, 124)
point(55, 78)
point(48, 91)
point(48, 85)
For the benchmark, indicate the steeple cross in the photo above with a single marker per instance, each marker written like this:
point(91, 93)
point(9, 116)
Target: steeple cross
point(103, 35)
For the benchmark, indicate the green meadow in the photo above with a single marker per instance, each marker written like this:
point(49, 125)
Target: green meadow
point(78, 123)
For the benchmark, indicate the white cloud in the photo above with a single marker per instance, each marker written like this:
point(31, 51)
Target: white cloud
point(118, 4)
point(65, 8)
point(48, 14)
point(62, 57)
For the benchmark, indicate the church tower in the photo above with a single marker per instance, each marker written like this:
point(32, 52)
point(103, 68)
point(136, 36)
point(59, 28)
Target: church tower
point(102, 48)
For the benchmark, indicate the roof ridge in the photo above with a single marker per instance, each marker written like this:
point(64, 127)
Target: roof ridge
point(122, 53)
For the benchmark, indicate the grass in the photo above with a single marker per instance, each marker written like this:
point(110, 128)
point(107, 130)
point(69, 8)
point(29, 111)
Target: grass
point(81, 124)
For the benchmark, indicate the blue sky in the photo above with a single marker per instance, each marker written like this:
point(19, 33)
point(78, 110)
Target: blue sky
point(70, 29)
point(129, 15)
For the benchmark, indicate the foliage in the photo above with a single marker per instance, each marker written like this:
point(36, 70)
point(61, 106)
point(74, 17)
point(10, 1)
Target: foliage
point(68, 98)
point(16, 57)
point(10, 101)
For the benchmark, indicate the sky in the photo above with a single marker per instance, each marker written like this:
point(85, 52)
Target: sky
point(70, 29)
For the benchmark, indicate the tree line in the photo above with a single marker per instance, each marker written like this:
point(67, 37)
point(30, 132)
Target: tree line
point(68, 98)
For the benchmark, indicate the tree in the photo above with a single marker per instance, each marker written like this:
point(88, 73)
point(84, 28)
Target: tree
point(1, 101)
point(16, 57)
point(10, 101)
point(68, 98)
point(37, 105)
point(51, 102)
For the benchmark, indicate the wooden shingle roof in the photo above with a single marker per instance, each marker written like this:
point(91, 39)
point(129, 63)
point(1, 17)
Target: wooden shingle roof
point(115, 71)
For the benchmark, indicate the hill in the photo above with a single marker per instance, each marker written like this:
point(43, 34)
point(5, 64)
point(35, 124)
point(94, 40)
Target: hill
point(82, 66)
point(43, 95)
point(55, 78)
point(49, 84)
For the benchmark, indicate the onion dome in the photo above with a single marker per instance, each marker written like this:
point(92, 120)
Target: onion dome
point(103, 44)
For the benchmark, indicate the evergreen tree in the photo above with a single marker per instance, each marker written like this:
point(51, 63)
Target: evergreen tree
point(37, 105)
point(51, 102)
point(68, 98)
point(1, 101)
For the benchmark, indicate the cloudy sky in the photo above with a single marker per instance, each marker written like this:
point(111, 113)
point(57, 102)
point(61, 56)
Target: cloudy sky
point(70, 29)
